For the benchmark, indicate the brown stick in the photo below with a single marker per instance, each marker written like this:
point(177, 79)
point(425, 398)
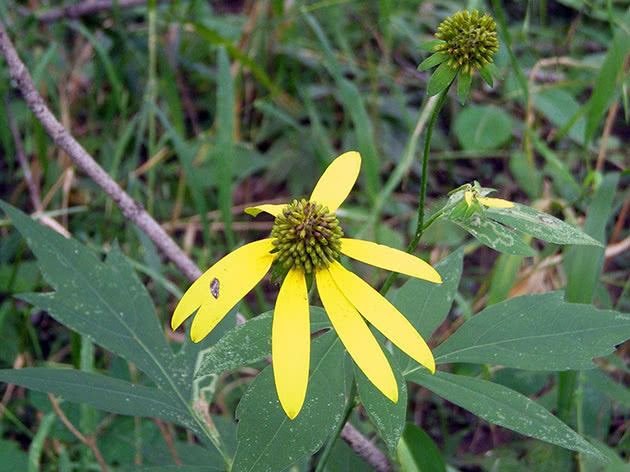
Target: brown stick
point(86, 8)
point(88, 441)
point(131, 209)
point(168, 439)
point(365, 449)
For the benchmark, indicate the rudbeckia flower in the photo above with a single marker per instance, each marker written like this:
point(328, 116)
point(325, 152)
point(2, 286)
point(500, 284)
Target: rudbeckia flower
point(306, 240)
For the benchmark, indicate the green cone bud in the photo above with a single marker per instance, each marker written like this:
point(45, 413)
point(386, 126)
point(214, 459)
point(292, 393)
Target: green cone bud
point(307, 236)
point(469, 41)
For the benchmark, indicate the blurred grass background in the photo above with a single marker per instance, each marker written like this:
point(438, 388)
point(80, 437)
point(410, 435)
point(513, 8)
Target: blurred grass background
point(201, 108)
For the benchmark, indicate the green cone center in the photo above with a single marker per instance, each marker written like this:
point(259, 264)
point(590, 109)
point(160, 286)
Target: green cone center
point(470, 40)
point(307, 236)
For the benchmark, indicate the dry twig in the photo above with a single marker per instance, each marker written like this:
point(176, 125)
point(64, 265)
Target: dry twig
point(89, 441)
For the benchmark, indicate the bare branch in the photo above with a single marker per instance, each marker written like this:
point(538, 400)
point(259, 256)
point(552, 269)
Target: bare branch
point(88, 441)
point(131, 209)
point(365, 449)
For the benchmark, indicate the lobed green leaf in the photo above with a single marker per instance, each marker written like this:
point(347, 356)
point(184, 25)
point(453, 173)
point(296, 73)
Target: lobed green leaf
point(504, 407)
point(541, 225)
point(537, 332)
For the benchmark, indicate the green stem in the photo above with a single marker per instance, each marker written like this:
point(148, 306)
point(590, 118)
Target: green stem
point(333, 439)
point(421, 227)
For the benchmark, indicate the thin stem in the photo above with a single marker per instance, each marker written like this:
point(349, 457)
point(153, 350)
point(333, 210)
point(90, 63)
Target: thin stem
point(333, 439)
point(421, 227)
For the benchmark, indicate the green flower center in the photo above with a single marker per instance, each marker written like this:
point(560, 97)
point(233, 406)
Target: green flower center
point(307, 236)
point(469, 40)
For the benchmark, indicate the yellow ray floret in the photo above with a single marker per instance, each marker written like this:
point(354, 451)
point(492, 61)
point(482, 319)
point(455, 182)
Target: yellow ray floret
point(356, 336)
point(389, 258)
point(495, 202)
point(273, 210)
point(488, 202)
point(337, 180)
point(383, 315)
point(290, 343)
point(222, 286)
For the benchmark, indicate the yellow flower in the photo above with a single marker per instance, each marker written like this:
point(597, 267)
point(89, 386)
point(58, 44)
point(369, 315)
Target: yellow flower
point(307, 239)
point(485, 201)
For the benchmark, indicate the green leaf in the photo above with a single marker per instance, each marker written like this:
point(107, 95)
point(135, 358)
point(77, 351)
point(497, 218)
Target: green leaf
point(13, 458)
point(387, 416)
point(609, 387)
point(526, 174)
point(606, 82)
point(103, 301)
point(432, 61)
point(541, 225)
point(267, 438)
point(494, 71)
point(494, 235)
point(425, 304)
point(486, 76)
point(583, 265)
point(102, 392)
point(248, 343)
point(562, 176)
point(483, 127)
point(225, 141)
point(463, 86)
point(504, 407)
point(430, 45)
point(441, 79)
point(559, 106)
point(418, 453)
point(503, 278)
point(537, 332)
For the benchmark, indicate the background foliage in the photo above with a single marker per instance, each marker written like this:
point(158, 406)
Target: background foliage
point(199, 109)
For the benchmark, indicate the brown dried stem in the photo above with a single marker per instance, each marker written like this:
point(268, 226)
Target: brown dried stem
point(89, 441)
point(365, 449)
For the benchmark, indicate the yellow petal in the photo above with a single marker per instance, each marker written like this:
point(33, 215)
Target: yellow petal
point(389, 258)
point(229, 279)
point(495, 202)
point(356, 336)
point(291, 343)
point(383, 315)
point(273, 210)
point(337, 180)
point(468, 196)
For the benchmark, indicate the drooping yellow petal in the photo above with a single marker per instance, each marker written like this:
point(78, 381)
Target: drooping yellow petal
point(495, 202)
point(383, 315)
point(468, 196)
point(389, 258)
point(222, 285)
point(273, 210)
point(356, 336)
point(337, 180)
point(291, 343)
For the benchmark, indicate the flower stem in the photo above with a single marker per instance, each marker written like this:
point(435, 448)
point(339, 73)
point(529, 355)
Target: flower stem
point(421, 227)
point(321, 464)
